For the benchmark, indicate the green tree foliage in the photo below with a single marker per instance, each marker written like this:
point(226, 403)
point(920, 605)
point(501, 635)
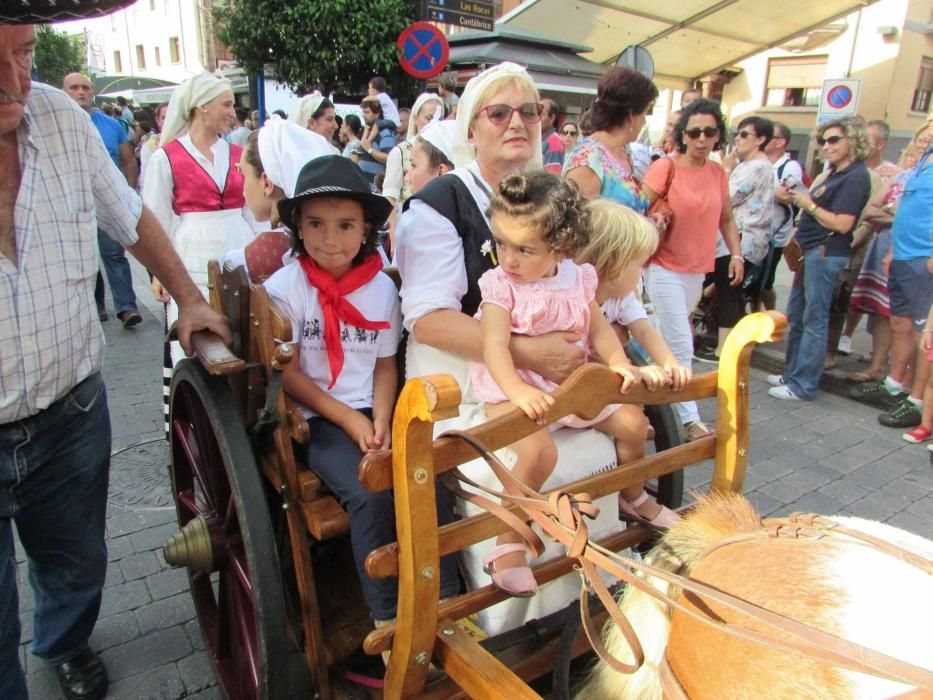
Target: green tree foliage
point(57, 55)
point(338, 44)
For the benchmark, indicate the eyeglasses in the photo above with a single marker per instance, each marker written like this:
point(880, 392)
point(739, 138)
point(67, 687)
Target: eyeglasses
point(500, 115)
point(745, 134)
point(832, 140)
point(708, 131)
point(569, 132)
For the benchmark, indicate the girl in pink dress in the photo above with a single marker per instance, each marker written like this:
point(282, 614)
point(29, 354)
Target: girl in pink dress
point(539, 223)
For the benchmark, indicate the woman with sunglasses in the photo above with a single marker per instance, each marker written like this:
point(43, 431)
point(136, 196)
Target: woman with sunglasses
point(751, 188)
point(697, 191)
point(569, 133)
point(829, 212)
point(604, 164)
point(444, 245)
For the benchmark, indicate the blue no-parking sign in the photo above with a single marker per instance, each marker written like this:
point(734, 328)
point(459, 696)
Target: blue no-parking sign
point(839, 99)
point(423, 50)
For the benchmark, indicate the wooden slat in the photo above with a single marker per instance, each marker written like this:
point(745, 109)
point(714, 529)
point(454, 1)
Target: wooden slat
point(309, 485)
point(383, 562)
point(380, 640)
point(474, 669)
point(325, 518)
point(587, 391)
point(217, 359)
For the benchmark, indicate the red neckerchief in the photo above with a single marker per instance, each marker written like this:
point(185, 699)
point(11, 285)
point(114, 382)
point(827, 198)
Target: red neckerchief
point(336, 308)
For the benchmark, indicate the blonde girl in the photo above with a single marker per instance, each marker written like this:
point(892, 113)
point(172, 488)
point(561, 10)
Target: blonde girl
point(539, 223)
point(621, 242)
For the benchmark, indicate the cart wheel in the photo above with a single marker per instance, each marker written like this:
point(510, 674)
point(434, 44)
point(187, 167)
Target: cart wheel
point(226, 541)
point(670, 487)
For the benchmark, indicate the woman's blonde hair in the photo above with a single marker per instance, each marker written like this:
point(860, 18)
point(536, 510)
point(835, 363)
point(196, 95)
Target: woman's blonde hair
point(856, 132)
point(618, 236)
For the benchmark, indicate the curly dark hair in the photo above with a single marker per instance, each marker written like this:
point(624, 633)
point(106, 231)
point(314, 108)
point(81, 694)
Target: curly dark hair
point(555, 205)
point(699, 107)
point(621, 93)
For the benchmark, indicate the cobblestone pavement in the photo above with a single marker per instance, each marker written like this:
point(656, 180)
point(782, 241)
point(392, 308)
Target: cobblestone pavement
point(829, 456)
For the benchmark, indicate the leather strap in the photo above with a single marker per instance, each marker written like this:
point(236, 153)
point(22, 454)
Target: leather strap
point(560, 515)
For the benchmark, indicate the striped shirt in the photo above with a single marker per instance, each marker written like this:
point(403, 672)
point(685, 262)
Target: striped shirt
point(50, 338)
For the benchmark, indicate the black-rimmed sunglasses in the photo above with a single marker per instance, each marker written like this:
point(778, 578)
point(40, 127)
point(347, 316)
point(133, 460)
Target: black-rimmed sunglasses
point(743, 134)
point(707, 131)
point(500, 115)
point(831, 140)
point(567, 132)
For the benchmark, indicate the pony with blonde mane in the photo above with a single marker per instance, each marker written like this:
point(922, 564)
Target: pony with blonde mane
point(835, 584)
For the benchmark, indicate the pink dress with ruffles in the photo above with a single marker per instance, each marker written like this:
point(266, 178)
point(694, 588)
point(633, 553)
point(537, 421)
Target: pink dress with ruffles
point(547, 305)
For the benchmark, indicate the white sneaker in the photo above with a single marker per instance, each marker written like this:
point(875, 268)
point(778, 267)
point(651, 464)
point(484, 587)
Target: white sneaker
point(776, 379)
point(783, 392)
point(845, 345)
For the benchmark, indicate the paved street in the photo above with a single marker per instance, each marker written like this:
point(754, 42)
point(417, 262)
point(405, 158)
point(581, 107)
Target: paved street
point(829, 456)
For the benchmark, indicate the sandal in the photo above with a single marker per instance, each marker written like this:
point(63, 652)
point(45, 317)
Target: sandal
point(862, 377)
point(662, 520)
point(697, 429)
point(517, 581)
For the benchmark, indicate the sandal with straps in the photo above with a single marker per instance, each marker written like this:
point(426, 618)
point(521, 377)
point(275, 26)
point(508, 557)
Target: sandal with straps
point(517, 581)
point(663, 520)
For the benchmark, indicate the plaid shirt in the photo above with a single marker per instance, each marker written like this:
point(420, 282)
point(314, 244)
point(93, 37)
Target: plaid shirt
point(50, 338)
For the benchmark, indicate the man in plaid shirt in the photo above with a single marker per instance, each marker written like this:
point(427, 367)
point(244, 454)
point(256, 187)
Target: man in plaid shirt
point(56, 183)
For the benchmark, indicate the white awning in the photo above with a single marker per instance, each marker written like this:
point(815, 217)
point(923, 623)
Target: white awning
point(687, 38)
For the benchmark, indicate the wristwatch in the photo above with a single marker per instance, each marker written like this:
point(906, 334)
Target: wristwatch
point(811, 210)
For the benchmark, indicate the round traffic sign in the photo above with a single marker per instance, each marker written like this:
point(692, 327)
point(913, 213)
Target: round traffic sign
point(839, 96)
point(638, 58)
point(423, 50)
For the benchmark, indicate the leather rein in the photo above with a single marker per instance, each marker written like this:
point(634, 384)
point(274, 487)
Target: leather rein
point(561, 516)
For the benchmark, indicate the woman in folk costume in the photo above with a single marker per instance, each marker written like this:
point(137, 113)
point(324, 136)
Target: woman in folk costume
point(194, 188)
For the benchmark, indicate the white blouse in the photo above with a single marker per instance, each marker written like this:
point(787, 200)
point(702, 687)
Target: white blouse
point(429, 253)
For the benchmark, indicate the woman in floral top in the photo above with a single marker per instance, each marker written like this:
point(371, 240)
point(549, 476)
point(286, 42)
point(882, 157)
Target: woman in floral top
point(603, 164)
point(751, 188)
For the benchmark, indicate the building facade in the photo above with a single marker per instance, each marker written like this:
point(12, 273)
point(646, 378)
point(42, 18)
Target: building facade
point(888, 45)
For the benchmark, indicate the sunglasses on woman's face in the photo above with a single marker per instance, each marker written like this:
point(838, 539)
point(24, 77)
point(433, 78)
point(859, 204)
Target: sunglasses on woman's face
point(500, 115)
point(743, 134)
point(707, 131)
point(569, 132)
point(832, 140)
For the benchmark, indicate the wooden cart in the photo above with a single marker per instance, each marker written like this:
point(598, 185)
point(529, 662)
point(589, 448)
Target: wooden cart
point(265, 542)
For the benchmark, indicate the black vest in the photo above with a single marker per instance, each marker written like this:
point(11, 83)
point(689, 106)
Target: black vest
point(451, 198)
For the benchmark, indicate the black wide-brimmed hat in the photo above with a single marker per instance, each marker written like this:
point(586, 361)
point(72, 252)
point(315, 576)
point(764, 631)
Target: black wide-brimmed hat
point(334, 176)
point(42, 11)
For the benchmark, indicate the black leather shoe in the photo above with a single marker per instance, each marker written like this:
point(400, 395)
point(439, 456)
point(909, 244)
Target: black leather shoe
point(83, 677)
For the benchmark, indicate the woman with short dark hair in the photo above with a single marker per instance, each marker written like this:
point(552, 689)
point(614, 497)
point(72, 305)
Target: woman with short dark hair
point(751, 189)
point(697, 191)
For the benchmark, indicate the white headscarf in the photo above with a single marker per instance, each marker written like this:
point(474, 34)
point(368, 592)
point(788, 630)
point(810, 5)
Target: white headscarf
point(308, 105)
point(284, 148)
point(422, 100)
point(441, 136)
point(475, 91)
point(194, 92)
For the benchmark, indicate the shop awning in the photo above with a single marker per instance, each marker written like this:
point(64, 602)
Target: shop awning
point(687, 38)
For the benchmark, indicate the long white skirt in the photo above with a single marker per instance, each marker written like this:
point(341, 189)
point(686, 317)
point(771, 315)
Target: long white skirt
point(200, 237)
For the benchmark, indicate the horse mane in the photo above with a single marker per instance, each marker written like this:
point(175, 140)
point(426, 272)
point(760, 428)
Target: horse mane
point(716, 515)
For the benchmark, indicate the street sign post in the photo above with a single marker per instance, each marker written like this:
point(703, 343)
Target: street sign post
point(423, 50)
point(470, 14)
point(839, 99)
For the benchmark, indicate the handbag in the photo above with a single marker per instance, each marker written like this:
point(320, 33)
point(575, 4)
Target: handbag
point(661, 212)
point(793, 254)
